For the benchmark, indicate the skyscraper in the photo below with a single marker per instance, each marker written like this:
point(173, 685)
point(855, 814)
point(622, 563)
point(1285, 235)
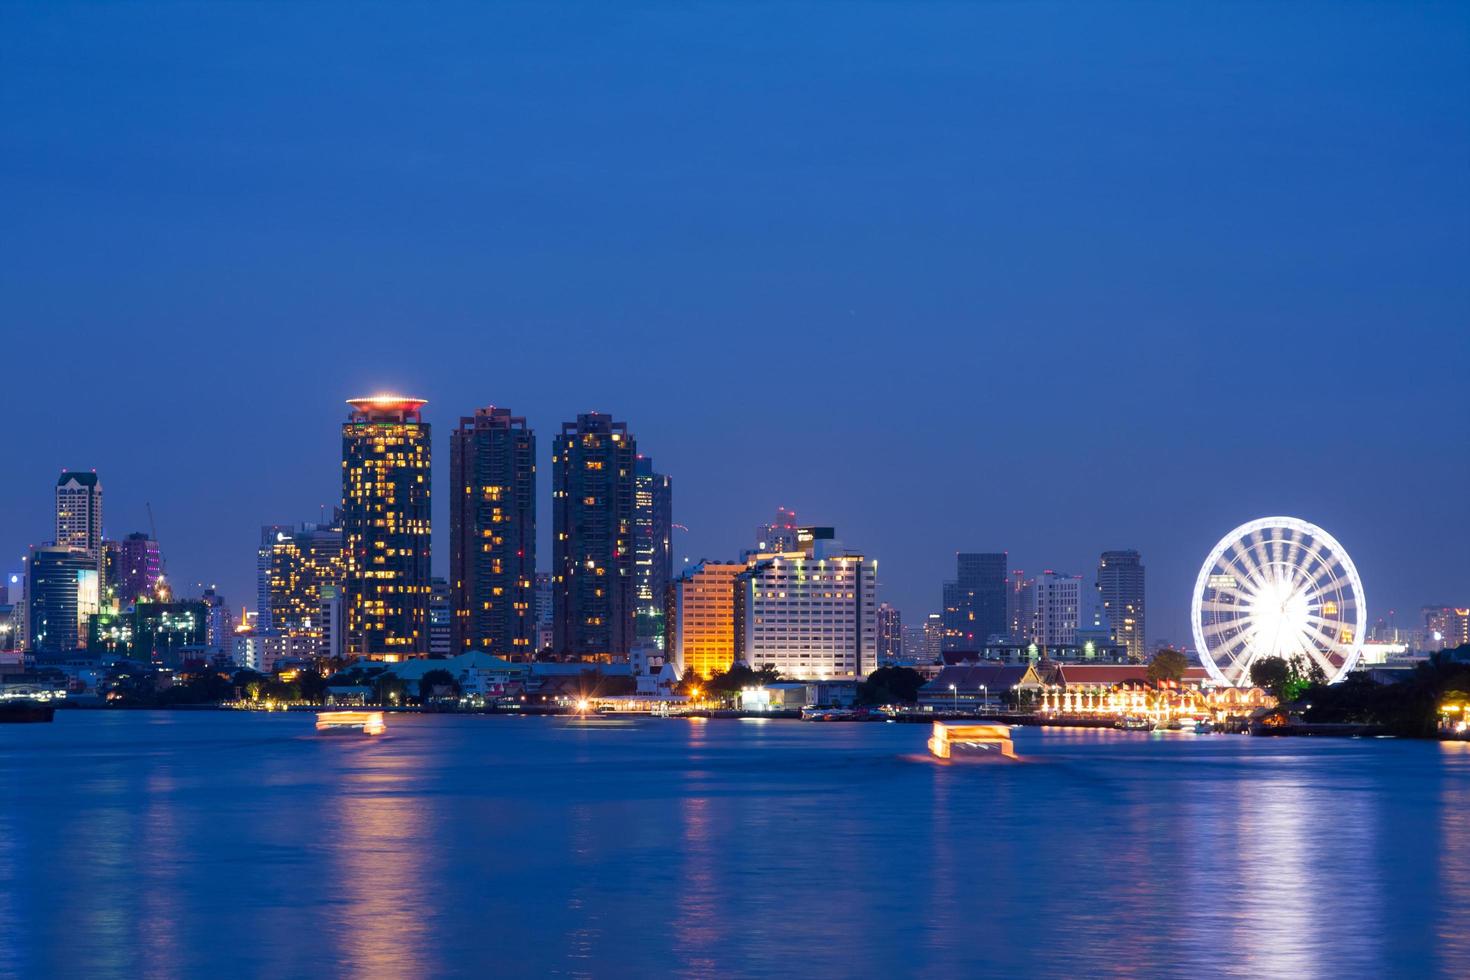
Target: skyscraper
point(1446, 627)
point(1057, 603)
point(701, 618)
point(975, 602)
point(890, 634)
point(592, 549)
point(269, 535)
point(62, 593)
point(653, 551)
point(137, 569)
point(301, 563)
point(386, 527)
point(492, 533)
point(79, 514)
point(1120, 584)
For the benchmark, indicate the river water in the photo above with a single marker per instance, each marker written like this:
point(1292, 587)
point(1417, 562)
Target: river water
point(189, 843)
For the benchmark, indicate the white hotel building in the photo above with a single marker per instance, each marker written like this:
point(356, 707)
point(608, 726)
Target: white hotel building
point(813, 613)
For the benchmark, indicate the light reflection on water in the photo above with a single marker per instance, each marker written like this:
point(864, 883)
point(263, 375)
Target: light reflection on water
point(244, 845)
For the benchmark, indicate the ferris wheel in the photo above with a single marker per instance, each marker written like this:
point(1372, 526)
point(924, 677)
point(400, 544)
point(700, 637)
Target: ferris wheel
point(1278, 587)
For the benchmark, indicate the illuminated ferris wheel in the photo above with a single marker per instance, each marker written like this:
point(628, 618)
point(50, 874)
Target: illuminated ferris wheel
point(1278, 587)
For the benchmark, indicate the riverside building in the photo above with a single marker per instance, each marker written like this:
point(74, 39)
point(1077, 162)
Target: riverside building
point(386, 528)
point(492, 534)
point(593, 510)
point(811, 613)
point(701, 618)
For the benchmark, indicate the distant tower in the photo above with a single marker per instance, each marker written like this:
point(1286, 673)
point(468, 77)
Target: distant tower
point(1120, 585)
point(653, 552)
point(492, 533)
point(385, 528)
point(890, 634)
point(138, 569)
point(79, 514)
point(779, 536)
point(592, 546)
point(975, 602)
point(1058, 608)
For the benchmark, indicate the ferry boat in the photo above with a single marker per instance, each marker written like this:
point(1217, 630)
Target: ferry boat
point(350, 723)
point(20, 710)
point(1134, 723)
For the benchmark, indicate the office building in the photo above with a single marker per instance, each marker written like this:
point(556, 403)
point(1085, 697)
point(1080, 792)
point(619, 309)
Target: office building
point(890, 634)
point(1057, 605)
point(653, 549)
point(492, 534)
point(779, 536)
point(933, 637)
point(812, 613)
point(441, 627)
point(270, 534)
point(79, 513)
point(331, 643)
point(975, 602)
point(1446, 627)
point(300, 563)
point(62, 593)
point(1020, 614)
point(219, 629)
point(386, 528)
point(593, 508)
point(134, 570)
point(545, 606)
point(701, 618)
point(165, 632)
point(1120, 586)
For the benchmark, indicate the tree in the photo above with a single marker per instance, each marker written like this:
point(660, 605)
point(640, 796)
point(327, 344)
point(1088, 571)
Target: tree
point(891, 685)
point(741, 676)
point(1167, 665)
point(388, 689)
point(1272, 674)
point(313, 686)
point(437, 683)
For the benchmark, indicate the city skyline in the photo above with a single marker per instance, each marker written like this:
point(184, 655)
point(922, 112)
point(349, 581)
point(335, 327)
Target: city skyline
point(240, 592)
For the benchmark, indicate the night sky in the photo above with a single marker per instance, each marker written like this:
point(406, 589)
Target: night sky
point(1048, 278)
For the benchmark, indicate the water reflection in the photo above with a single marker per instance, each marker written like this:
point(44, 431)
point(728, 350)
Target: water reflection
point(378, 890)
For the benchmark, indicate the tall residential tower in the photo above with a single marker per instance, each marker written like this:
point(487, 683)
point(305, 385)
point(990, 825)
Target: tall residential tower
point(593, 505)
point(1120, 586)
point(492, 534)
point(385, 528)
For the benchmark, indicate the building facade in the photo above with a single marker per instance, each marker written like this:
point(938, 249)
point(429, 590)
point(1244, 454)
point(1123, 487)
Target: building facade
point(975, 602)
point(653, 550)
point(386, 528)
point(300, 564)
point(492, 534)
point(1446, 627)
point(593, 510)
point(812, 614)
point(701, 618)
point(779, 536)
point(79, 516)
point(890, 634)
point(1120, 586)
point(1057, 601)
point(62, 594)
point(136, 569)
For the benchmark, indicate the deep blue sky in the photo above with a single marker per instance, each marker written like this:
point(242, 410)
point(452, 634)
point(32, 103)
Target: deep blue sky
point(1051, 278)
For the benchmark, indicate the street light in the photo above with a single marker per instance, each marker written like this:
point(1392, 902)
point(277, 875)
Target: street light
point(956, 696)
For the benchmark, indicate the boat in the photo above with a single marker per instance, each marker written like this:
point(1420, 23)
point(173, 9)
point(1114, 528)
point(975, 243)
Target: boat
point(1134, 723)
point(350, 723)
point(25, 710)
point(1203, 727)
